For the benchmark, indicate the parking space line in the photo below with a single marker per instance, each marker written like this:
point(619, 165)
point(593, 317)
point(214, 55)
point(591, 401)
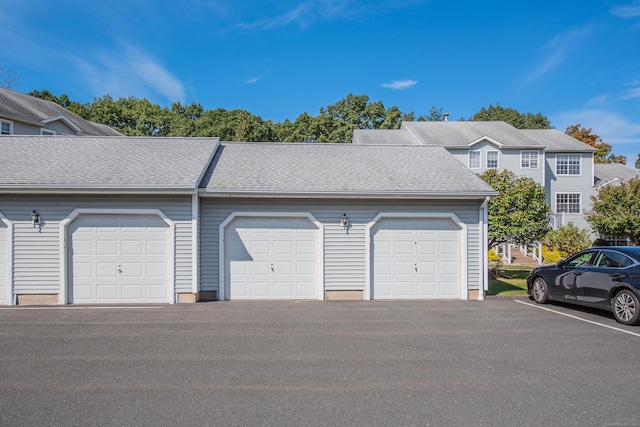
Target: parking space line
point(88, 307)
point(578, 318)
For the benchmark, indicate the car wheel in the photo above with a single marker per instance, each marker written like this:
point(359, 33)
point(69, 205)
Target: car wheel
point(540, 291)
point(626, 308)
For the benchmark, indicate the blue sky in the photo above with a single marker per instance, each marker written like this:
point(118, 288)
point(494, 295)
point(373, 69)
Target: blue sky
point(573, 61)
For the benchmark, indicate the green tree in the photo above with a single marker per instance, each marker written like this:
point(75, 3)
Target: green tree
point(513, 117)
point(568, 238)
point(638, 162)
point(603, 150)
point(615, 211)
point(434, 115)
point(519, 214)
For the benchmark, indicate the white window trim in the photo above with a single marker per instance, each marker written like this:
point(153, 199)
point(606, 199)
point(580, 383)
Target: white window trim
point(497, 159)
point(479, 159)
point(10, 126)
point(530, 152)
point(47, 132)
point(555, 201)
point(569, 174)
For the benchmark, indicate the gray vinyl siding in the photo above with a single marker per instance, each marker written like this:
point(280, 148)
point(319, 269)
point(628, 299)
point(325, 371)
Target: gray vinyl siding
point(344, 253)
point(508, 159)
point(59, 127)
point(25, 129)
point(37, 254)
point(582, 184)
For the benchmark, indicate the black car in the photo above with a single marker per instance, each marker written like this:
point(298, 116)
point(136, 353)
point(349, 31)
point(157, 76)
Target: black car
point(600, 277)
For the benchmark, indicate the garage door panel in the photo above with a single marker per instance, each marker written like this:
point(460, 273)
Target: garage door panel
point(283, 247)
point(416, 258)
point(281, 258)
point(119, 259)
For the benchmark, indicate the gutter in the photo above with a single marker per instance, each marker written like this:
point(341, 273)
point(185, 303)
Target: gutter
point(72, 189)
point(348, 194)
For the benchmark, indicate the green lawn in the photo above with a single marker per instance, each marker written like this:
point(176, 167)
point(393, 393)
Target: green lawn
point(512, 283)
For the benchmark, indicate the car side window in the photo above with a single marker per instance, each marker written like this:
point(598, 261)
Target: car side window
point(609, 259)
point(580, 260)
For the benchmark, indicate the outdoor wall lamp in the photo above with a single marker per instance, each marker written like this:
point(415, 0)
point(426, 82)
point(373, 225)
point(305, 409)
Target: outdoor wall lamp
point(345, 221)
point(35, 219)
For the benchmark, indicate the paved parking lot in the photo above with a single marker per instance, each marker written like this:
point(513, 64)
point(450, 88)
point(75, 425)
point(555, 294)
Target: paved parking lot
point(497, 362)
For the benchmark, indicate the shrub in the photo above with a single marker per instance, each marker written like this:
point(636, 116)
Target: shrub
point(552, 256)
point(568, 239)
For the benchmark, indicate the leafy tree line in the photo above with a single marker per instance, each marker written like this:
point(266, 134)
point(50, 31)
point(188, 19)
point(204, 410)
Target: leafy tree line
point(334, 123)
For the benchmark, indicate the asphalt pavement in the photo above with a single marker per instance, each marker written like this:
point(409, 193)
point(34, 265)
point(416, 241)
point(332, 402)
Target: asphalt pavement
point(499, 362)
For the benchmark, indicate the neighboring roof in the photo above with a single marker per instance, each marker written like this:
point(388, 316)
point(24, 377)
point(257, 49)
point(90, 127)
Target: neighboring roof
point(607, 173)
point(103, 164)
point(20, 107)
point(557, 141)
point(340, 170)
point(465, 134)
point(383, 137)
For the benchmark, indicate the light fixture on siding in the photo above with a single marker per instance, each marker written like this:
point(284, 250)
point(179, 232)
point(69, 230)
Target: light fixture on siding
point(344, 222)
point(35, 219)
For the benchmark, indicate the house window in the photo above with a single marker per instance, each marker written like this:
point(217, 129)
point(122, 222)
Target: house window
point(474, 160)
point(529, 159)
point(568, 164)
point(6, 128)
point(47, 132)
point(492, 160)
point(568, 203)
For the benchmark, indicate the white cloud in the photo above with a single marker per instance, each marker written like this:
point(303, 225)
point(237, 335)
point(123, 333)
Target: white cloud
point(400, 84)
point(621, 133)
point(632, 93)
point(311, 12)
point(252, 80)
point(129, 72)
point(557, 50)
point(631, 10)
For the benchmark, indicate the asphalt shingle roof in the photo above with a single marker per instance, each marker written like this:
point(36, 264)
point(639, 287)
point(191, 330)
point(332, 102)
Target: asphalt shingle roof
point(340, 169)
point(607, 172)
point(459, 134)
point(383, 137)
point(50, 162)
point(21, 107)
point(556, 140)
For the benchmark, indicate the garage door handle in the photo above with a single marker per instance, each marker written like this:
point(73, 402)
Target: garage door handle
point(272, 269)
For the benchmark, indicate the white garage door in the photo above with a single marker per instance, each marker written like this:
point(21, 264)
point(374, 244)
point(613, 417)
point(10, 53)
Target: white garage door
point(5, 297)
point(119, 259)
point(271, 258)
point(416, 259)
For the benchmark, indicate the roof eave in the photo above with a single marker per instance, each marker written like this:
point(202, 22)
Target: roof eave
point(94, 189)
point(480, 195)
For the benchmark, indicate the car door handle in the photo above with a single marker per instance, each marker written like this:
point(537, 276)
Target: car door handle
point(616, 275)
point(577, 273)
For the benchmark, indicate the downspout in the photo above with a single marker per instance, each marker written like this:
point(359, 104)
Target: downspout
point(195, 242)
point(484, 238)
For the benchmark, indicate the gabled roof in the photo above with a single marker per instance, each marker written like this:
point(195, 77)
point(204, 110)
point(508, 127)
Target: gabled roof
point(19, 107)
point(608, 173)
point(465, 134)
point(62, 164)
point(340, 170)
point(557, 141)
